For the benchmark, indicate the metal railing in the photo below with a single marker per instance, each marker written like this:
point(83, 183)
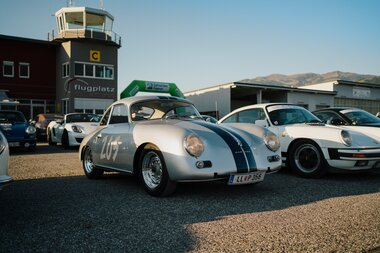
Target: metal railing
point(99, 34)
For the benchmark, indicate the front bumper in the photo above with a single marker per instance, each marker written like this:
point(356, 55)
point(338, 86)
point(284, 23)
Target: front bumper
point(354, 159)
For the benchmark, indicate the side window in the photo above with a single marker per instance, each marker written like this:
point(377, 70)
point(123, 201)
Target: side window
point(250, 116)
point(119, 114)
point(105, 118)
point(231, 119)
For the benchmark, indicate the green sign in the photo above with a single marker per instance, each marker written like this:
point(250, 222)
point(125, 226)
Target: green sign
point(151, 86)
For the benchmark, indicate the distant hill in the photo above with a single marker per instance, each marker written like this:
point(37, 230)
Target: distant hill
point(312, 78)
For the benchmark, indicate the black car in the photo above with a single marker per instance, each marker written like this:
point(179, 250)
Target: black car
point(347, 116)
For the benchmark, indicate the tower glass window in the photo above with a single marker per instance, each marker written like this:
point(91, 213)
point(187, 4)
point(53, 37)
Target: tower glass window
point(94, 21)
point(74, 20)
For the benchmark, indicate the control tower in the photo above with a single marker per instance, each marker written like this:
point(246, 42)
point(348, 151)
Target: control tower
point(86, 60)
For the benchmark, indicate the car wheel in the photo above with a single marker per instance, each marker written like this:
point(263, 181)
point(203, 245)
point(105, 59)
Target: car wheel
point(307, 160)
point(50, 140)
point(88, 165)
point(154, 175)
point(65, 140)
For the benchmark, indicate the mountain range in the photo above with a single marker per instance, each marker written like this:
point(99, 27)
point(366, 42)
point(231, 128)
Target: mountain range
point(312, 78)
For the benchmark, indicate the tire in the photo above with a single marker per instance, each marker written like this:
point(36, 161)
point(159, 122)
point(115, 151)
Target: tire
point(65, 140)
point(89, 168)
point(154, 175)
point(50, 141)
point(307, 160)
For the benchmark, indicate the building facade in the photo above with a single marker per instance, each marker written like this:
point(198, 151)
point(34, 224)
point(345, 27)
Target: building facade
point(219, 100)
point(365, 96)
point(73, 72)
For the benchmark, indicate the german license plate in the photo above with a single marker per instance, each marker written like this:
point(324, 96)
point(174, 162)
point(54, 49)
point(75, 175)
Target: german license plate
point(246, 178)
point(14, 144)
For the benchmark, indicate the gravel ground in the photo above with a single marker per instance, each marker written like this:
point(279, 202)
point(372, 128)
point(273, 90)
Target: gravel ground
point(51, 206)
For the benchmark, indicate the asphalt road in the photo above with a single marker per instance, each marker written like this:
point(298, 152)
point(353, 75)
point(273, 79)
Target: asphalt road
point(52, 207)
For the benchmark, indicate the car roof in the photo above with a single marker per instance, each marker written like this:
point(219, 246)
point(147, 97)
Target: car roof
point(337, 109)
point(264, 105)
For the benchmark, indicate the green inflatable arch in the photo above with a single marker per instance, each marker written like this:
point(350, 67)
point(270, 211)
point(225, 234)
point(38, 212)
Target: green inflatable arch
point(151, 86)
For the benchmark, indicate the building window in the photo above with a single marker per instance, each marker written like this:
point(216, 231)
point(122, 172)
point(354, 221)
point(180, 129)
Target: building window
point(24, 70)
point(79, 69)
point(92, 70)
point(65, 69)
point(8, 68)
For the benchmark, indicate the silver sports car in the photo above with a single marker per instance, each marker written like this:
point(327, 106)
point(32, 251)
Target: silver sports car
point(164, 140)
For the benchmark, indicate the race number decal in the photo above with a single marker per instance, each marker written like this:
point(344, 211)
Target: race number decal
point(110, 148)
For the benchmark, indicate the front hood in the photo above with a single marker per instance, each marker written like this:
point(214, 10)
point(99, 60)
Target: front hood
point(330, 136)
point(88, 127)
point(373, 132)
point(14, 129)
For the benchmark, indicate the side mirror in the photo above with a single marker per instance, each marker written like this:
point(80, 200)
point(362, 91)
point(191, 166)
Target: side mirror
point(59, 121)
point(262, 122)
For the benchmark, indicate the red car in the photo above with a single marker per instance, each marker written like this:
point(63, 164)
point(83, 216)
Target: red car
point(42, 120)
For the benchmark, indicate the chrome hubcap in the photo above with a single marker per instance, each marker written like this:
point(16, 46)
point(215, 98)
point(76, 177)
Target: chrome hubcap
point(151, 169)
point(88, 163)
point(307, 158)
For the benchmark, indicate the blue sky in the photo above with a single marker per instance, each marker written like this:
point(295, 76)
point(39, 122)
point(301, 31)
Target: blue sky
point(202, 43)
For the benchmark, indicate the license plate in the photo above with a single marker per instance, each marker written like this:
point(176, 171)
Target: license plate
point(246, 178)
point(14, 144)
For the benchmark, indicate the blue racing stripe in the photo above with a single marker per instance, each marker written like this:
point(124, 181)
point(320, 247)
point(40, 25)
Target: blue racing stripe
point(246, 148)
point(237, 152)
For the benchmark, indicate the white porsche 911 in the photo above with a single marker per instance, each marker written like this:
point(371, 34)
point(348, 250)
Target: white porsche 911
point(309, 147)
point(72, 129)
point(4, 162)
point(164, 140)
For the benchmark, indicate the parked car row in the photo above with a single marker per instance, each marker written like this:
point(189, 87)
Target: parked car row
point(310, 147)
point(165, 140)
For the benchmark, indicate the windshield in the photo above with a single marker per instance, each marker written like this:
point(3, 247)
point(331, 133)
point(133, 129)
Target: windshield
point(82, 117)
point(287, 115)
point(359, 117)
point(158, 109)
point(12, 117)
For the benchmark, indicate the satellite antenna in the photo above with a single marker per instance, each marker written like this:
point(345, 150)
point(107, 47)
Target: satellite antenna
point(70, 3)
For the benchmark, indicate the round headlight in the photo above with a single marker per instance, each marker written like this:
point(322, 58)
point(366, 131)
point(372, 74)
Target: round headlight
point(30, 130)
point(194, 145)
point(271, 141)
point(346, 137)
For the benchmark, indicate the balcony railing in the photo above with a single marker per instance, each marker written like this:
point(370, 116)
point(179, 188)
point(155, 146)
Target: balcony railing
point(104, 35)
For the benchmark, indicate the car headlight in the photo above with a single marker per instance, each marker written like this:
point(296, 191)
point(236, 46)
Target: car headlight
point(271, 141)
point(30, 130)
point(346, 137)
point(77, 129)
point(194, 145)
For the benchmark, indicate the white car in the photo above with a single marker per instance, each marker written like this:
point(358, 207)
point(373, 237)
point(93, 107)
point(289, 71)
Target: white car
point(4, 162)
point(72, 129)
point(164, 140)
point(308, 146)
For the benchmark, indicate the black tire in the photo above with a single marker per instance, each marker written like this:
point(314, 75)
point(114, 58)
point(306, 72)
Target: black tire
point(154, 175)
point(65, 140)
point(90, 170)
point(307, 160)
point(50, 141)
